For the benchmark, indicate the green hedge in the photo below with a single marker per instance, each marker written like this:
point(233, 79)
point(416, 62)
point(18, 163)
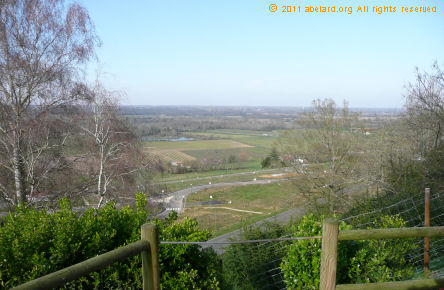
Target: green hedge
point(358, 261)
point(34, 243)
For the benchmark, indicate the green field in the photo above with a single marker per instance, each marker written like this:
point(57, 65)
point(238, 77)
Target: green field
point(241, 204)
point(247, 147)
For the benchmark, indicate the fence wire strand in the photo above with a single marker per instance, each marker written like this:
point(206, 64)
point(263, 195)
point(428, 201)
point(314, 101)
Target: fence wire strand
point(410, 209)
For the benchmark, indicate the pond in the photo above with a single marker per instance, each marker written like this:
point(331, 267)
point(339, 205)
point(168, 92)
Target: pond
point(177, 139)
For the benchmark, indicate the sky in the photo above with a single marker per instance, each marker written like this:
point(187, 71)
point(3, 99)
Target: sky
point(238, 53)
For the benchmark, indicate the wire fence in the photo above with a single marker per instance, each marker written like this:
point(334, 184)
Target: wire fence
point(239, 242)
point(411, 210)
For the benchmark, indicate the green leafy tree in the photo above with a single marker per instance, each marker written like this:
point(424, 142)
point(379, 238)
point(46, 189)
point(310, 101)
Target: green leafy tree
point(272, 160)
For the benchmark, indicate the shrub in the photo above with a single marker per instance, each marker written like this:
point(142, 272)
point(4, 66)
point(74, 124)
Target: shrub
point(187, 266)
point(34, 243)
point(301, 265)
point(358, 261)
point(383, 260)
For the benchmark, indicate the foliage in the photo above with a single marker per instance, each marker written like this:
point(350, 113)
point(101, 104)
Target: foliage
point(272, 160)
point(302, 263)
point(382, 260)
point(358, 261)
point(244, 263)
point(34, 243)
point(187, 266)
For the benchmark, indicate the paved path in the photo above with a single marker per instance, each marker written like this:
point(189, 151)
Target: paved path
point(234, 209)
point(281, 218)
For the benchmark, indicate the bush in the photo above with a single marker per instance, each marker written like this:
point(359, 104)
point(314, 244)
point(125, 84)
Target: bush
point(383, 260)
point(34, 243)
point(187, 266)
point(358, 261)
point(272, 160)
point(301, 266)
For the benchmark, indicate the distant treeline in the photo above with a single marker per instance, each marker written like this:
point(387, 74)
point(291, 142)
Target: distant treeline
point(179, 120)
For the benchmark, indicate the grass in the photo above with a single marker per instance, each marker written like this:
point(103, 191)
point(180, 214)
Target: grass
point(253, 138)
point(249, 147)
point(268, 199)
point(258, 141)
point(233, 133)
point(242, 154)
point(203, 149)
point(246, 222)
point(255, 197)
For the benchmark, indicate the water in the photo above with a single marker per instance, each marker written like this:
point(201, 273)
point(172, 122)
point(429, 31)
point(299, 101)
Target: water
point(182, 139)
point(169, 139)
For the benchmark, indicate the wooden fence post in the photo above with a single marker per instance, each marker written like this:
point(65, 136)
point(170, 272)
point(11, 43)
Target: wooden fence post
point(427, 239)
point(329, 255)
point(150, 258)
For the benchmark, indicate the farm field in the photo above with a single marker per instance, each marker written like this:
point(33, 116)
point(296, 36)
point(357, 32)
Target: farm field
point(236, 205)
point(246, 147)
point(194, 145)
point(232, 207)
point(259, 139)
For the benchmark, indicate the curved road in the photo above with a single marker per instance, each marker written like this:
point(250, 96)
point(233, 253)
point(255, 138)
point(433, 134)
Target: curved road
point(177, 200)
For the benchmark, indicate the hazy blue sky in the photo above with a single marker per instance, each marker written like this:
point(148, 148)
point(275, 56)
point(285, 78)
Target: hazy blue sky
point(238, 53)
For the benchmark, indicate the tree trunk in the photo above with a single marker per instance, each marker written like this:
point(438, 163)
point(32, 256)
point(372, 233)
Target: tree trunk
point(437, 136)
point(99, 205)
point(99, 181)
point(20, 195)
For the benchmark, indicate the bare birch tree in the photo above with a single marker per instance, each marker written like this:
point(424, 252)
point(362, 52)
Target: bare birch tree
point(43, 43)
point(425, 108)
point(115, 154)
point(325, 151)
